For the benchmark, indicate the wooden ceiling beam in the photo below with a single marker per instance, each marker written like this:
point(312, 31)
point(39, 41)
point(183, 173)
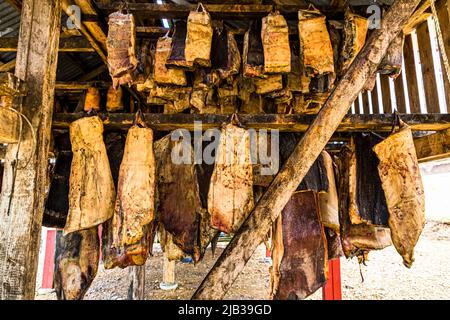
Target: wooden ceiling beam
point(282, 122)
point(66, 44)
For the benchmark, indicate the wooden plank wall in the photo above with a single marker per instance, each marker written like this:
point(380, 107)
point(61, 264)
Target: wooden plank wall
point(407, 99)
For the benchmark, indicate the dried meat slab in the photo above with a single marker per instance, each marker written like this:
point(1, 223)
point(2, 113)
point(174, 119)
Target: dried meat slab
point(199, 37)
point(179, 204)
point(275, 40)
point(121, 46)
point(328, 200)
point(393, 59)
point(230, 197)
point(92, 191)
point(135, 203)
point(357, 239)
point(368, 203)
point(177, 58)
point(76, 263)
point(253, 54)
point(299, 249)
point(316, 51)
point(355, 31)
point(163, 75)
point(402, 185)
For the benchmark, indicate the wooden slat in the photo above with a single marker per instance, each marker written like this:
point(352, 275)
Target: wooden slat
point(375, 103)
point(386, 93)
point(66, 44)
point(283, 122)
point(426, 60)
point(22, 207)
point(217, 11)
point(400, 94)
point(411, 76)
point(365, 100)
point(434, 146)
point(418, 17)
point(443, 10)
point(357, 108)
point(8, 66)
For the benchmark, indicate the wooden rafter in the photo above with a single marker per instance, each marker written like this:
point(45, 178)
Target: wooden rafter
point(295, 122)
point(66, 44)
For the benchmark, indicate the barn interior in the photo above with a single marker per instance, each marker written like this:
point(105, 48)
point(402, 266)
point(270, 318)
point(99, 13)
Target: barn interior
point(354, 94)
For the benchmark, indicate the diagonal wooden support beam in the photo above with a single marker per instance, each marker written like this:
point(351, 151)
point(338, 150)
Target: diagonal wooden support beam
point(257, 225)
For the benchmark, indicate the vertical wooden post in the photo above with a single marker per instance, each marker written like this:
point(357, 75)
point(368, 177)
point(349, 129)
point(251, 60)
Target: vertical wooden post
point(443, 11)
point(411, 75)
point(136, 287)
point(365, 100)
point(400, 94)
point(375, 104)
point(332, 290)
point(426, 60)
point(22, 198)
point(168, 281)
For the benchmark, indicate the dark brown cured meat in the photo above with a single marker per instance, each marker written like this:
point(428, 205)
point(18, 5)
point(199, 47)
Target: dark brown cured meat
point(253, 55)
point(334, 245)
point(76, 263)
point(179, 207)
point(357, 239)
point(177, 58)
point(299, 249)
point(57, 203)
point(370, 199)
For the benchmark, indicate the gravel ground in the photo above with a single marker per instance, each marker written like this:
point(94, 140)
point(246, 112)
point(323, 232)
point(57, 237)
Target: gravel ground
point(385, 277)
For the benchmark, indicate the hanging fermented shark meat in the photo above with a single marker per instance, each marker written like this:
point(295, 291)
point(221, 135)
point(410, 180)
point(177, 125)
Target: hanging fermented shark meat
point(92, 192)
point(57, 203)
point(294, 77)
point(198, 38)
point(207, 234)
point(230, 197)
point(135, 204)
point(253, 54)
point(355, 31)
point(163, 75)
point(316, 52)
point(275, 40)
point(357, 239)
point(121, 46)
point(270, 84)
point(334, 245)
point(392, 61)
point(402, 184)
point(233, 58)
point(144, 68)
point(228, 97)
point(171, 250)
point(177, 58)
point(299, 249)
point(179, 207)
point(92, 99)
point(328, 201)
point(76, 263)
point(251, 102)
point(367, 200)
point(114, 101)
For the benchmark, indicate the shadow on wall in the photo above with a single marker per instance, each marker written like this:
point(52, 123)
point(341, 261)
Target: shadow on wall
point(436, 181)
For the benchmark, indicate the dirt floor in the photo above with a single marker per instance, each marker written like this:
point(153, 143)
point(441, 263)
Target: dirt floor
point(385, 277)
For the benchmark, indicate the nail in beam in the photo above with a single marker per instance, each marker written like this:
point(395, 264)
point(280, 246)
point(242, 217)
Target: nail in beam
point(257, 225)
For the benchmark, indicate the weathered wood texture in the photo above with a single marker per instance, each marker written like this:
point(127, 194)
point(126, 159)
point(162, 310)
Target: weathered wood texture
point(257, 225)
point(67, 44)
point(434, 146)
point(21, 210)
point(9, 126)
point(375, 103)
point(411, 75)
point(136, 280)
point(283, 122)
point(386, 94)
point(400, 94)
point(443, 11)
point(426, 60)
point(418, 17)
